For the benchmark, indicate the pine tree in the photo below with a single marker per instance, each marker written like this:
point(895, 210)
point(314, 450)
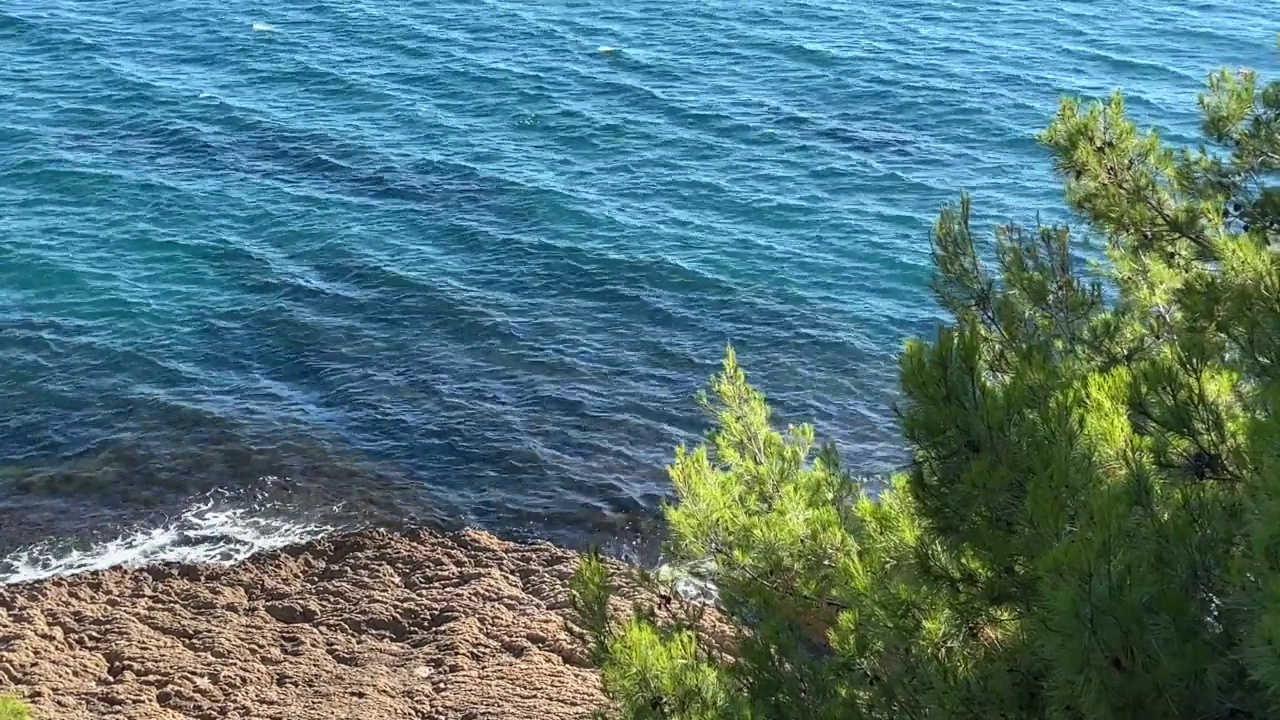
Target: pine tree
point(1090, 527)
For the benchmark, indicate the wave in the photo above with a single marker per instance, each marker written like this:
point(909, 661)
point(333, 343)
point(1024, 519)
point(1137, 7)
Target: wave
point(210, 530)
point(452, 265)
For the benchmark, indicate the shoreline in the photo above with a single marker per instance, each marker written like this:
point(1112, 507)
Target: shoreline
point(372, 623)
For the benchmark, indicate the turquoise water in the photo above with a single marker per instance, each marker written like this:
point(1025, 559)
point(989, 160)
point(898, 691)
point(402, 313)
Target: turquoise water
point(467, 262)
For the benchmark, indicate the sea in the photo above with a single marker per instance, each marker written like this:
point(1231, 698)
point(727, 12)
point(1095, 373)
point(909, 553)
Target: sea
point(273, 269)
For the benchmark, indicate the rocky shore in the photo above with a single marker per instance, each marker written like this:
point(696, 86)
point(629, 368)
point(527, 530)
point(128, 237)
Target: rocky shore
point(374, 625)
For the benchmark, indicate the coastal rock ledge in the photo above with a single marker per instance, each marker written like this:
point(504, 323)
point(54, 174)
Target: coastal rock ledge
point(371, 625)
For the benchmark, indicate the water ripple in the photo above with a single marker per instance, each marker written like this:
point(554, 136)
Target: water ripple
point(467, 263)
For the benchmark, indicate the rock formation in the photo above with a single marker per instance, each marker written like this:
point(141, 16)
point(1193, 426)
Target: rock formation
point(374, 625)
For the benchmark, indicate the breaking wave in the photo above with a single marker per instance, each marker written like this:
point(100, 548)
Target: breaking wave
point(214, 529)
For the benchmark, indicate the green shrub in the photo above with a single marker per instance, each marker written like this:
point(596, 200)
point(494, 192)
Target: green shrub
point(1090, 527)
point(11, 708)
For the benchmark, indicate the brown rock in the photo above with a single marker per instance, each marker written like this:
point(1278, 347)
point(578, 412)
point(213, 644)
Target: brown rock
point(366, 625)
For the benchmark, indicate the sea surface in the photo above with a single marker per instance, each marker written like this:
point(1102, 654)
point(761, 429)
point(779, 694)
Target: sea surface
point(270, 268)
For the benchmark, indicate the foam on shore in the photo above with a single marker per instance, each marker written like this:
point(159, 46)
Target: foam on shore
point(211, 530)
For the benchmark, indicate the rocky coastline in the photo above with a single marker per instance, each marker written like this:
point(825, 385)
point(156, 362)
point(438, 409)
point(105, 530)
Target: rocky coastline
point(366, 625)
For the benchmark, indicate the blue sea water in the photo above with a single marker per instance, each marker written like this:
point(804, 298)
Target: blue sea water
point(467, 262)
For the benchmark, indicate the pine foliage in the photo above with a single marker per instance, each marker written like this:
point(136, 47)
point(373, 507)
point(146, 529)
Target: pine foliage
point(12, 708)
point(1090, 527)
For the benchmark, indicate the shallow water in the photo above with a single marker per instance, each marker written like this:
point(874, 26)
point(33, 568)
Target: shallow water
point(466, 263)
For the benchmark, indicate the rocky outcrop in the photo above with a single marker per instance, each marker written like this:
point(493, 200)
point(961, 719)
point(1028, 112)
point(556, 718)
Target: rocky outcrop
point(375, 626)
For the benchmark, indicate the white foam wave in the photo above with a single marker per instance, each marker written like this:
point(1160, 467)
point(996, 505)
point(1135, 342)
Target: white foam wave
point(206, 533)
point(263, 27)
